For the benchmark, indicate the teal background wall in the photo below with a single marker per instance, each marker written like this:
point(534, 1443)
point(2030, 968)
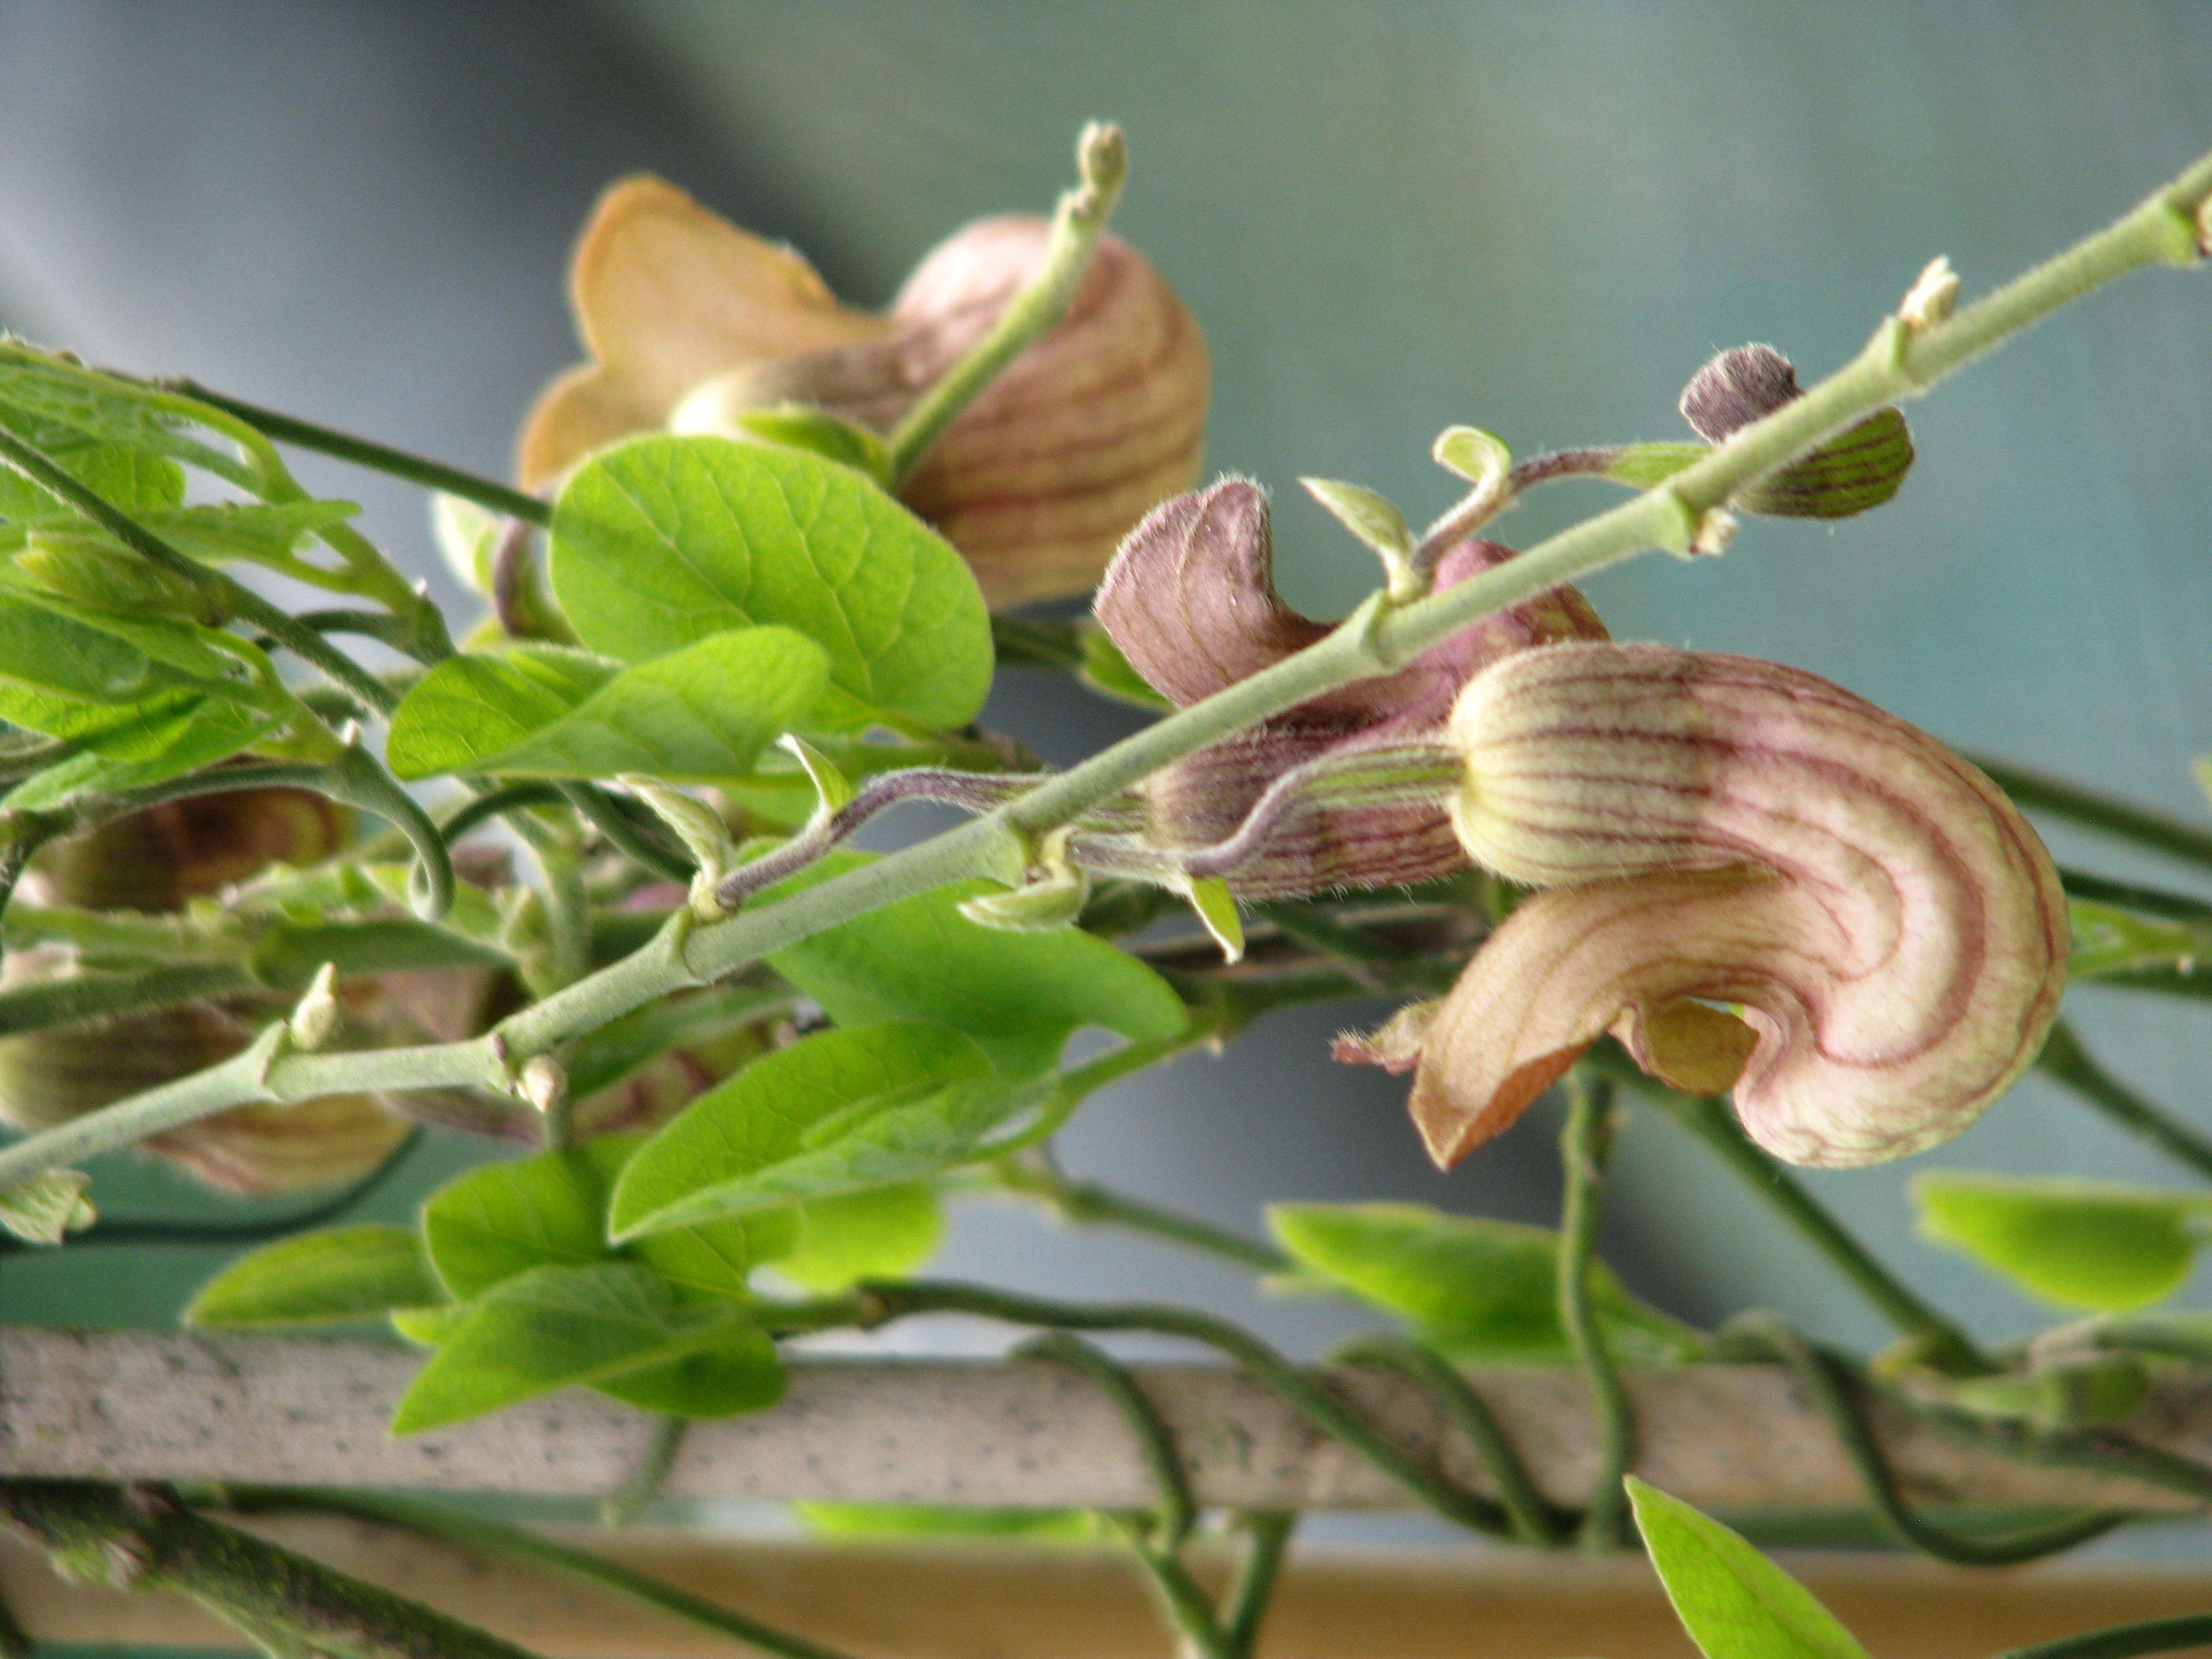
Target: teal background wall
point(1388, 217)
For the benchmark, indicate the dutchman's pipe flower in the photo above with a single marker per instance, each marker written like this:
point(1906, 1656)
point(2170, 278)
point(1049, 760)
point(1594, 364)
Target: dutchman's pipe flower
point(1755, 880)
point(690, 321)
point(1191, 602)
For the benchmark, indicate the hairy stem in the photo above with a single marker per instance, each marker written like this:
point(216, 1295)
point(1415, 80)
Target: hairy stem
point(1176, 1513)
point(1246, 1609)
point(1077, 223)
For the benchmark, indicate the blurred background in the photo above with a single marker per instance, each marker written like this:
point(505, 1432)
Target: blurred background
point(1388, 217)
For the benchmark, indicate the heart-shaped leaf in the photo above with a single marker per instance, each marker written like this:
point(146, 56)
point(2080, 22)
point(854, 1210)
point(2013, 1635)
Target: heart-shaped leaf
point(662, 541)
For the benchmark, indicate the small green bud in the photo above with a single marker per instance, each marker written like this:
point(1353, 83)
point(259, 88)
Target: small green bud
point(41, 1210)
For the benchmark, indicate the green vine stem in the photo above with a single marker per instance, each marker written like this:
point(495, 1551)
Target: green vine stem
point(880, 1302)
point(1901, 361)
point(1525, 1509)
point(2040, 792)
point(504, 1542)
point(140, 1538)
point(1175, 1513)
point(2065, 1059)
point(377, 458)
point(2124, 1641)
point(1585, 1142)
point(1835, 1387)
point(1246, 1609)
point(642, 1484)
point(1939, 1343)
point(1103, 158)
point(1036, 1177)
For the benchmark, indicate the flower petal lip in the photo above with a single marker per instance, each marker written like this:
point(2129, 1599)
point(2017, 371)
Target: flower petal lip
point(1035, 482)
point(1191, 601)
point(1723, 830)
point(667, 294)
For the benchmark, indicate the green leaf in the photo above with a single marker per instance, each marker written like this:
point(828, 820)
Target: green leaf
point(1734, 1602)
point(1471, 452)
point(1019, 996)
point(798, 426)
point(696, 715)
point(881, 1232)
point(2077, 1243)
point(1641, 466)
point(136, 482)
point(556, 1327)
point(503, 1219)
point(40, 392)
point(942, 1521)
point(1106, 670)
point(1371, 516)
point(1477, 1291)
point(662, 541)
point(320, 1278)
point(47, 1206)
point(837, 1111)
point(162, 739)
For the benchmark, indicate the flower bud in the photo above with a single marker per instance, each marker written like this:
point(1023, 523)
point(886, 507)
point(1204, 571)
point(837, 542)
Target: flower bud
point(1191, 602)
point(1758, 881)
point(1035, 482)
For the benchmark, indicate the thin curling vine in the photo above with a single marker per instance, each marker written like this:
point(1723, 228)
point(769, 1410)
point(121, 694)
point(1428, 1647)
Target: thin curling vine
point(596, 890)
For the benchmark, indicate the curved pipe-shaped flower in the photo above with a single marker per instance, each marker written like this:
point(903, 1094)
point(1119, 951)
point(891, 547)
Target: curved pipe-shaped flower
point(1760, 881)
point(1037, 479)
point(1190, 600)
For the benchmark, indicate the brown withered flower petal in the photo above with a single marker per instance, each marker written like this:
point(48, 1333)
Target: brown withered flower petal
point(1191, 601)
point(1035, 482)
point(1759, 879)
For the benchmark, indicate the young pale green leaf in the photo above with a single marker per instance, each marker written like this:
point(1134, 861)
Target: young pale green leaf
point(1471, 452)
point(2077, 1243)
point(798, 426)
point(1476, 1290)
point(662, 541)
point(40, 392)
point(555, 1328)
point(138, 483)
point(1641, 466)
point(1734, 1602)
point(839, 1111)
point(1369, 515)
point(503, 1219)
point(1019, 996)
point(882, 1232)
point(161, 739)
point(319, 1279)
point(47, 1207)
point(1106, 670)
point(697, 715)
